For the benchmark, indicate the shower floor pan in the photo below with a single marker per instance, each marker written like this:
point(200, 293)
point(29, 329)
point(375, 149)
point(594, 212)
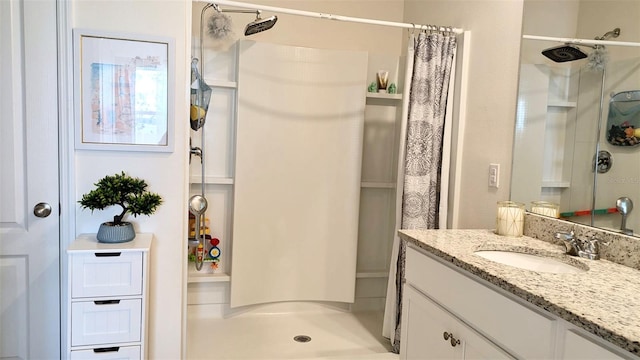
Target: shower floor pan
point(333, 334)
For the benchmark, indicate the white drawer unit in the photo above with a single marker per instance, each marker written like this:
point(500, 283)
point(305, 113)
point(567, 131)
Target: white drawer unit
point(108, 353)
point(107, 298)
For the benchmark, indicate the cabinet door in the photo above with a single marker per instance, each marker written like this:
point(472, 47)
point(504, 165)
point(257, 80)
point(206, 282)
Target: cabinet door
point(422, 329)
point(424, 325)
point(578, 347)
point(526, 333)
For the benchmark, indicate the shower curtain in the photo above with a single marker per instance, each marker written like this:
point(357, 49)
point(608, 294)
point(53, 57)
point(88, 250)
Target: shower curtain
point(423, 202)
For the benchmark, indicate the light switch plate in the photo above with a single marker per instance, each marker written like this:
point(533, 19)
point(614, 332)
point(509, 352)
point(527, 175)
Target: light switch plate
point(494, 175)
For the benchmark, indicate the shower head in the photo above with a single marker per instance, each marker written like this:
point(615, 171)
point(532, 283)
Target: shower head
point(599, 57)
point(259, 25)
point(610, 34)
point(564, 53)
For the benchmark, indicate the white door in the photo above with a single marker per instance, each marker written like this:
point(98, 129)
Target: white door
point(29, 244)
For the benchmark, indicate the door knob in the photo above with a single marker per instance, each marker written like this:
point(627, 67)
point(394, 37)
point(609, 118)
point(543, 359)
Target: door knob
point(42, 210)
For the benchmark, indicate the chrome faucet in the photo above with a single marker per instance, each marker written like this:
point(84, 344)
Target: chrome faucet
point(588, 249)
point(624, 206)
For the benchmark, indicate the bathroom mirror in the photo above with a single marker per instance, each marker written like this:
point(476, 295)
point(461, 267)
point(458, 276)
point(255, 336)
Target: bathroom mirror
point(569, 147)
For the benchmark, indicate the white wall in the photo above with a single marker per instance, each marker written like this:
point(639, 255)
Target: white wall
point(493, 84)
point(165, 173)
point(319, 33)
point(496, 29)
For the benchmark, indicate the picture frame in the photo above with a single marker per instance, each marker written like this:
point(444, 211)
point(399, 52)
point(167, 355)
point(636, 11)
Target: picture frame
point(124, 91)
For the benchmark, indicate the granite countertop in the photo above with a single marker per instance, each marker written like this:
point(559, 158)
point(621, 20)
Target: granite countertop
point(605, 300)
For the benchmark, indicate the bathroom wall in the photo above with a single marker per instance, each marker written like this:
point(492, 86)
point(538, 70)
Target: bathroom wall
point(494, 55)
point(320, 33)
point(496, 29)
point(166, 173)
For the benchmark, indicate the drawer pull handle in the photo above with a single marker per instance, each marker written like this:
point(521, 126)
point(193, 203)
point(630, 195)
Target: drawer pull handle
point(107, 254)
point(453, 340)
point(106, 302)
point(108, 349)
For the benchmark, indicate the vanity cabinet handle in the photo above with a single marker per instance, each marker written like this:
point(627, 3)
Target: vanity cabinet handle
point(449, 336)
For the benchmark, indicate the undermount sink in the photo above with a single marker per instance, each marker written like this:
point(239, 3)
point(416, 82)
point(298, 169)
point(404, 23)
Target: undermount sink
point(540, 263)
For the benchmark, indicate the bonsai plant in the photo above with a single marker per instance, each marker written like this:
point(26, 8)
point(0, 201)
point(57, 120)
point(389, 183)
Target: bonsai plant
point(130, 194)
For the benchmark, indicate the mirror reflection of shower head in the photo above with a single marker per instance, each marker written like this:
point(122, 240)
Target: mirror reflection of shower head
point(259, 24)
point(564, 53)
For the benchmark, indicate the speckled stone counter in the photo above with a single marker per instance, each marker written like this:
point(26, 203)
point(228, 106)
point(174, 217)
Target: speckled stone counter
point(604, 300)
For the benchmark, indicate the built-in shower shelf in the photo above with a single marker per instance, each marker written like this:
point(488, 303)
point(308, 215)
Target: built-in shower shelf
point(372, 95)
point(556, 184)
point(562, 104)
point(203, 277)
point(371, 274)
point(377, 185)
point(212, 180)
point(221, 83)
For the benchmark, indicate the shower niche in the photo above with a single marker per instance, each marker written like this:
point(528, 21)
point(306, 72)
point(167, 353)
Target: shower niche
point(210, 288)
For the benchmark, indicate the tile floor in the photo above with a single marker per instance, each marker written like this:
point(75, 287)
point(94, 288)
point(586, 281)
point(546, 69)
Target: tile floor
point(335, 334)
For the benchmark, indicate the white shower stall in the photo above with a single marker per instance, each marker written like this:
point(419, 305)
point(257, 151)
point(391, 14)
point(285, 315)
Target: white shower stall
point(300, 174)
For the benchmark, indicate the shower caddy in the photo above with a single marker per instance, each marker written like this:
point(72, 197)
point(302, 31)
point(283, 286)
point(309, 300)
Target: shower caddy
point(200, 98)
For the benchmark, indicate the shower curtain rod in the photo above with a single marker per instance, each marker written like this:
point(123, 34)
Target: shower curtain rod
point(580, 41)
point(335, 17)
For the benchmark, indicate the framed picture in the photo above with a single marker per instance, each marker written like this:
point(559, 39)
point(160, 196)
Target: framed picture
point(123, 91)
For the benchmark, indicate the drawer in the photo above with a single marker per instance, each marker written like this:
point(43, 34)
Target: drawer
point(109, 353)
point(106, 274)
point(105, 322)
point(524, 332)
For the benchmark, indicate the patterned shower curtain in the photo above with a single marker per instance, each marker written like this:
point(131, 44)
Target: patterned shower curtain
point(433, 60)
point(425, 128)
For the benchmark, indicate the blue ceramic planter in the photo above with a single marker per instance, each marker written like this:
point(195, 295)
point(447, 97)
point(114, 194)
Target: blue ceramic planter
point(109, 233)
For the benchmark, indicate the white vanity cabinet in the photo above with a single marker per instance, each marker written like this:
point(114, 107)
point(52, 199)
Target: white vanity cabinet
point(488, 322)
point(108, 298)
